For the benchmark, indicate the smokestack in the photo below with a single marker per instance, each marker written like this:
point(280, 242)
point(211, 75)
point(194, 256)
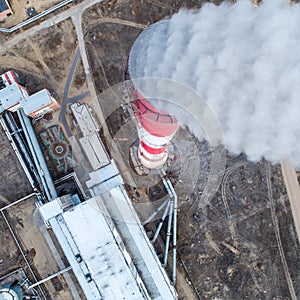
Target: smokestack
point(244, 61)
point(156, 127)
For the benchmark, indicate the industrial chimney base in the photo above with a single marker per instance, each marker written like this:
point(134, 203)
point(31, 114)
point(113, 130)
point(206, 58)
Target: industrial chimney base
point(134, 161)
point(141, 170)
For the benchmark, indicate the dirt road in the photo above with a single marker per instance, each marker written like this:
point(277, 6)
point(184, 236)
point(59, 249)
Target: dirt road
point(292, 186)
point(277, 233)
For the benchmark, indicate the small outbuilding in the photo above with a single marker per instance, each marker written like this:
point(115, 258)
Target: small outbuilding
point(5, 9)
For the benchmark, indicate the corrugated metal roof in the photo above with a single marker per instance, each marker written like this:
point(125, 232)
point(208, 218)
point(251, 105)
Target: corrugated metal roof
point(94, 150)
point(84, 118)
point(36, 101)
point(104, 179)
point(11, 96)
point(84, 230)
point(134, 236)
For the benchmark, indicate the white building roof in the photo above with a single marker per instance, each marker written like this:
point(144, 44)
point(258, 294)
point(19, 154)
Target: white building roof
point(84, 230)
point(104, 179)
point(94, 150)
point(51, 209)
point(11, 95)
point(36, 101)
point(84, 118)
point(134, 236)
point(107, 182)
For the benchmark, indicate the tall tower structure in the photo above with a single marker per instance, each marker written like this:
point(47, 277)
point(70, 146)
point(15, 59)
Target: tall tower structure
point(156, 127)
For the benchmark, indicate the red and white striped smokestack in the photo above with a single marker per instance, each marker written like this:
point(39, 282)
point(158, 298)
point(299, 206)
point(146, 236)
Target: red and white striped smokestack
point(156, 127)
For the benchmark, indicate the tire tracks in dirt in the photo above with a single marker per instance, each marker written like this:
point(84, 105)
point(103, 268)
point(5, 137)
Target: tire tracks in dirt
point(277, 234)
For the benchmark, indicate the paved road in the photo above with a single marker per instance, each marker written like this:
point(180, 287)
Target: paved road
point(77, 9)
point(66, 99)
point(36, 17)
point(116, 153)
point(293, 190)
point(90, 82)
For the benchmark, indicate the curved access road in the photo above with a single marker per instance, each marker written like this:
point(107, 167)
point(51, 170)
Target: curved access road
point(66, 99)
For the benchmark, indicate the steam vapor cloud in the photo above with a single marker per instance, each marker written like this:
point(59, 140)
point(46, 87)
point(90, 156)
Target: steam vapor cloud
point(245, 61)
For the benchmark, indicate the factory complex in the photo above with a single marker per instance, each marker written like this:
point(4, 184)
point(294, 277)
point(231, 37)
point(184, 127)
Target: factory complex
point(101, 235)
point(126, 140)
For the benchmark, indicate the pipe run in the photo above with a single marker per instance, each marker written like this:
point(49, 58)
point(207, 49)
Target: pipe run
point(156, 211)
point(170, 189)
point(17, 152)
point(174, 242)
point(161, 222)
point(168, 234)
point(20, 200)
point(37, 155)
point(16, 134)
point(50, 277)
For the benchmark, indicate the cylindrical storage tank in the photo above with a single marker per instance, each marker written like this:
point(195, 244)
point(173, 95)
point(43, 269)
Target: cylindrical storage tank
point(11, 292)
point(156, 127)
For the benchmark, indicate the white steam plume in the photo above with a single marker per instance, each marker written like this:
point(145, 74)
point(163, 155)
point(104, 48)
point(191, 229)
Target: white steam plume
point(245, 61)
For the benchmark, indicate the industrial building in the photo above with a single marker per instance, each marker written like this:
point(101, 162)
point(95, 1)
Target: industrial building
point(102, 237)
point(90, 142)
point(25, 145)
point(5, 9)
point(89, 252)
point(39, 104)
point(14, 96)
point(91, 231)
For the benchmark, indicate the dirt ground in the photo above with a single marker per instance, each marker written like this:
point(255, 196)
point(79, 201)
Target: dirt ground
point(19, 8)
point(32, 235)
point(10, 257)
point(43, 61)
point(15, 185)
point(237, 246)
point(241, 245)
